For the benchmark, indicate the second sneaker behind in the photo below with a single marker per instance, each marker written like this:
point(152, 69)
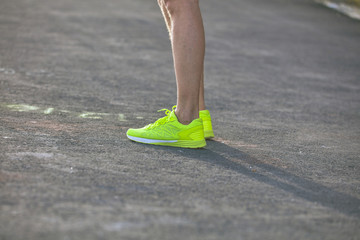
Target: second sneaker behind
point(206, 118)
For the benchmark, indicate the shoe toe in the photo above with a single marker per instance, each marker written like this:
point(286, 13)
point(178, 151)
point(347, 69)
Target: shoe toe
point(132, 132)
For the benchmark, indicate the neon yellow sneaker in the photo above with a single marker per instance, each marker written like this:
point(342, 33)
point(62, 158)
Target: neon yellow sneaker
point(168, 131)
point(205, 116)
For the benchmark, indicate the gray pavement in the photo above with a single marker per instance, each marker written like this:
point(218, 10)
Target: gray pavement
point(282, 85)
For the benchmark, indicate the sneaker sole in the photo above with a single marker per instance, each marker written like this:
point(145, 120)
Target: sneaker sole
point(172, 143)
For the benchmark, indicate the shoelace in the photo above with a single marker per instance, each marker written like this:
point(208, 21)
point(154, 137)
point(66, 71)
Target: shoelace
point(162, 120)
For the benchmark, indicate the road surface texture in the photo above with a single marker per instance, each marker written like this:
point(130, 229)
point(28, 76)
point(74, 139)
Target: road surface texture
point(282, 85)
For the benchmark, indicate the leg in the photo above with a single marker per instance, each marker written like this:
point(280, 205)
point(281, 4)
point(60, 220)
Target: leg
point(184, 21)
point(168, 25)
point(182, 128)
point(166, 16)
point(201, 94)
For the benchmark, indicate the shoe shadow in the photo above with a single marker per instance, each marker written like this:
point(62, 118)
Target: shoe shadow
point(227, 157)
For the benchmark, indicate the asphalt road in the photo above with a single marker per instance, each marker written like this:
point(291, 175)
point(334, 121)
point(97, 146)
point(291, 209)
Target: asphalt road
point(282, 85)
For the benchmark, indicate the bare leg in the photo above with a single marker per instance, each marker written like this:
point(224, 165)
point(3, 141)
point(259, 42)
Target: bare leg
point(166, 16)
point(184, 21)
point(168, 25)
point(201, 94)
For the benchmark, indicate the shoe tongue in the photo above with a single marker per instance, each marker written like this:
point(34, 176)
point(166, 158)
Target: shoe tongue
point(172, 116)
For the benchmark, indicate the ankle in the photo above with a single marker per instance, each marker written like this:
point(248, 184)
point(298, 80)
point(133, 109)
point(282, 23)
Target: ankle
point(186, 117)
